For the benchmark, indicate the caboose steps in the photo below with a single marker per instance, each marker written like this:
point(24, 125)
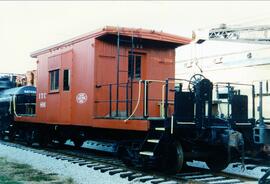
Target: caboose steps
point(153, 140)
point(160, 128)
point(185, 123)
point(147, 153)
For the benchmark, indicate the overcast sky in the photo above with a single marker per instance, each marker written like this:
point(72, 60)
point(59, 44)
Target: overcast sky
point(29, 26)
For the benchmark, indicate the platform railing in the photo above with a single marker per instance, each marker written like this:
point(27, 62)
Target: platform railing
point(111, 101)
point(22, 108)
point(142, 99)
point(231, 88)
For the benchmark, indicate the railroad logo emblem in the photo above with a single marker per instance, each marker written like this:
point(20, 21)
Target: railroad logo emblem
point(42, 105)
point(81, 98)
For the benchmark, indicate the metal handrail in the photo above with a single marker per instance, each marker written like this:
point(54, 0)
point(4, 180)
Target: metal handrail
point(164, 96)
point(233, 83)
point(138, 102)
point(229, 85)
point(114, 84)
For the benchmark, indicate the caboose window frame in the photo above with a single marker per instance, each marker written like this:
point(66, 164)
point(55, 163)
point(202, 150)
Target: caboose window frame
point(135, 68)
point(66, 80)
point(54, 80)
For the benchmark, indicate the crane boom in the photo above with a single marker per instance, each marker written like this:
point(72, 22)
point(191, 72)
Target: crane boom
point(251, 34)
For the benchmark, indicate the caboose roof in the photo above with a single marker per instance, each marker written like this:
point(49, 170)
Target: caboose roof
point(123, 31)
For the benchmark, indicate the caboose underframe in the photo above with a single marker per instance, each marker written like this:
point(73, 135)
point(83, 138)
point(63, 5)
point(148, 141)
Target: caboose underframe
point(190, 132)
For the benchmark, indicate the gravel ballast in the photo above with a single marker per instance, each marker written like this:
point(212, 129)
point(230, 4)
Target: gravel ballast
point(79, 174)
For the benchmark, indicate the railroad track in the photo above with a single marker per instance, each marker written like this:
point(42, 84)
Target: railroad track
point(113, 166)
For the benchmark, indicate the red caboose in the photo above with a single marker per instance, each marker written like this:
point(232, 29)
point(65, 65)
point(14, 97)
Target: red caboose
point(93, 80)
point(109, 84)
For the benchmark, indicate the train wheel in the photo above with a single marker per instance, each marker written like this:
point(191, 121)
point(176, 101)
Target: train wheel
point(78, 143)
point(29, 137)
point(124, 155)
point(220, 162)
point(61, 142)
point(42, 139)
point(42, 142)
point(2, 135)
point(11, 136)
point(174, 158)
point(44, 135)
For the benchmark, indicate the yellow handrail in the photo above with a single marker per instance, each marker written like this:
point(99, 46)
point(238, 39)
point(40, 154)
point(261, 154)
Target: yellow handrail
point(139, 96)
point(138, 102)
point(14, 106)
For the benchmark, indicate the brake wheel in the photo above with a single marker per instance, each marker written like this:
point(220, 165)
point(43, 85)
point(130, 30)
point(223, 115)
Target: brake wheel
point(195, 79)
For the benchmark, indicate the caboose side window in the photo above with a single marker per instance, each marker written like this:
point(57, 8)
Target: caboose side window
point(134, 68)
point(66, 80)
point(54, 80)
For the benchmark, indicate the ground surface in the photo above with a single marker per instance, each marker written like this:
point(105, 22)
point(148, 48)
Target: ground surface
point(63, 168)
point(15, 173)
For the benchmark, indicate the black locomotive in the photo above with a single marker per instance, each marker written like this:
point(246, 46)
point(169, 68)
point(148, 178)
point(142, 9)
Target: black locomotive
point(14, 101)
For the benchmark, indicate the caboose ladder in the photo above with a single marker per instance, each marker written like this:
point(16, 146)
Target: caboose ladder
point(153, 139)
point(118, 71)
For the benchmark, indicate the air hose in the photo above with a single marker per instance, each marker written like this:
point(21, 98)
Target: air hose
point(138, 102)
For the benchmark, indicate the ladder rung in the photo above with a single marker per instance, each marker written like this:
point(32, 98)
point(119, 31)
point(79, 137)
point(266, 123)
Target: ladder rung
point(243, 124)
point(153, 140)
point(160, 128)
point(186, 123)
point(148, 153)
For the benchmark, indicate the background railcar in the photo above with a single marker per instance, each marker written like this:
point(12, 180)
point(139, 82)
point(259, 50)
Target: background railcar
point(15, 102)
point(241, 67)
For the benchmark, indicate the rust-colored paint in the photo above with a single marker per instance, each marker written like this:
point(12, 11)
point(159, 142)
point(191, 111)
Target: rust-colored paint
point(153, 67)
point(92, 63)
